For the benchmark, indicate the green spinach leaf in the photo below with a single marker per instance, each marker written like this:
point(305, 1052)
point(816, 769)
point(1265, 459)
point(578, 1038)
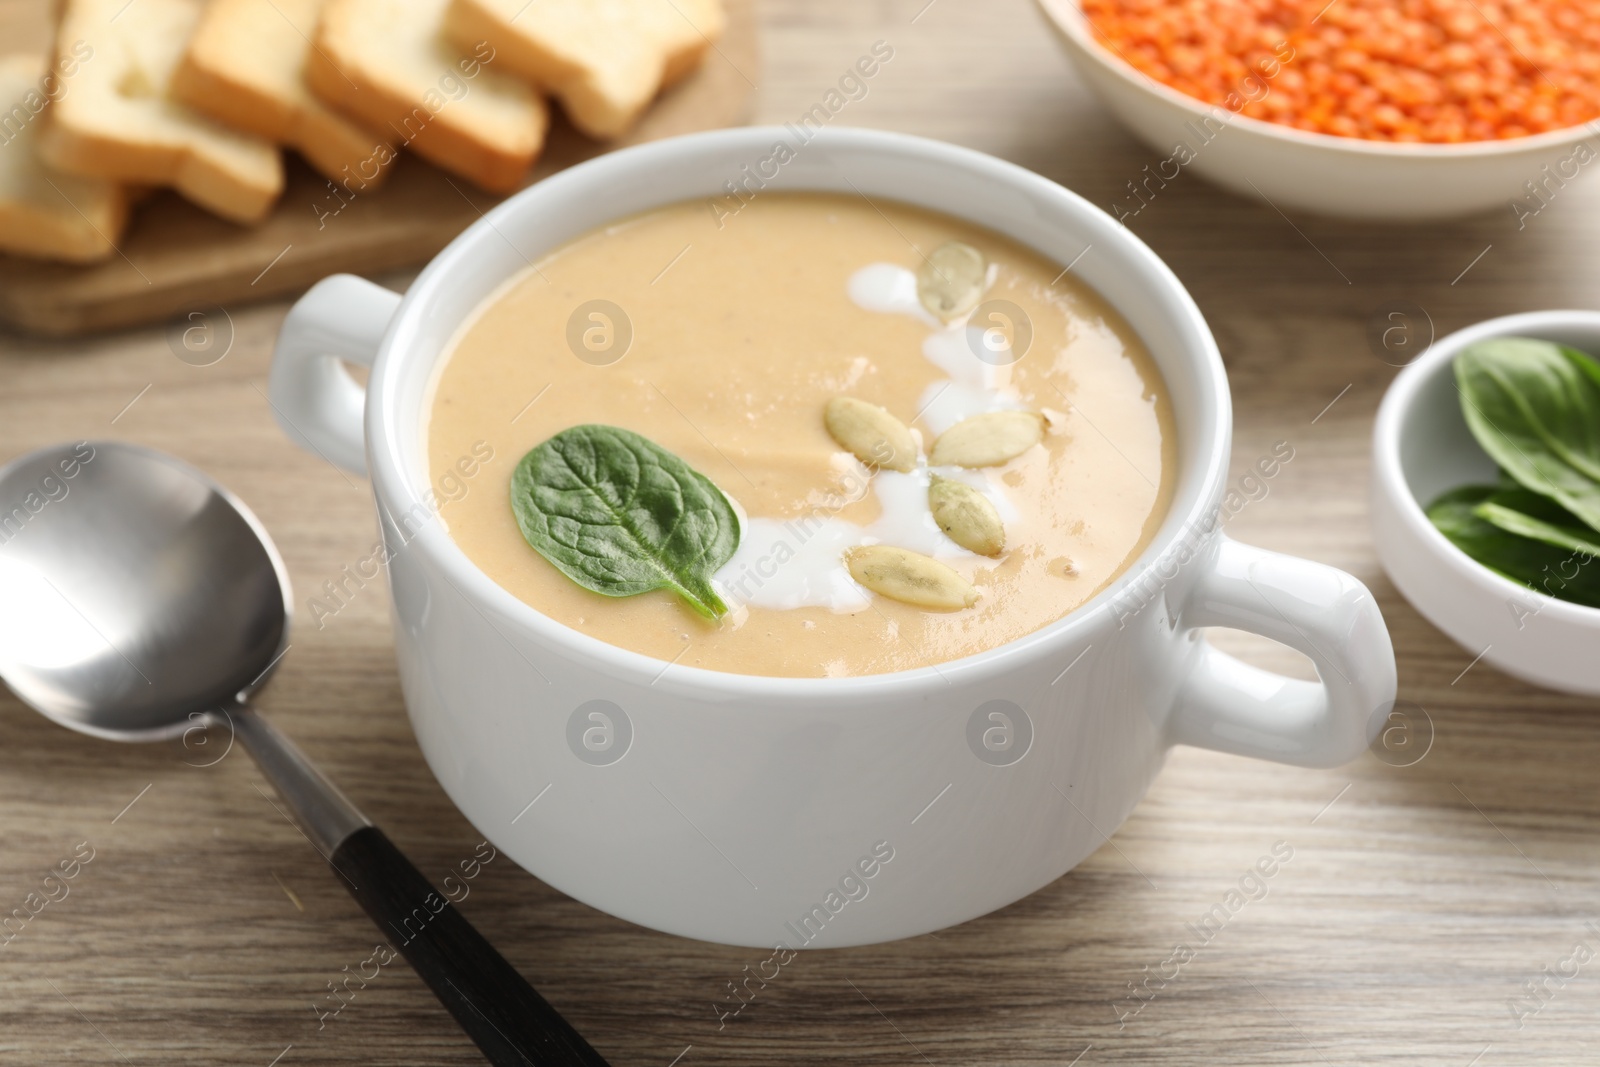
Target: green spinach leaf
point(1545, 568)
point(620, 515)
point(1534, 406)
point(1528, 514)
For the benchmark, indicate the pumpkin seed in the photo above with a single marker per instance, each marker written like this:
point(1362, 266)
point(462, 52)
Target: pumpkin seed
point(874, 436)
point(910, 578)
point(950, 281)
point(988, 440)
point(966, 516)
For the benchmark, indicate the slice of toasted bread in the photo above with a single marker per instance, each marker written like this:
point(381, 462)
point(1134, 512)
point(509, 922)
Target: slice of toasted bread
point(245, 66)
point(605, 60)
point(43, 213)
point(388, 63)
point(118, 121)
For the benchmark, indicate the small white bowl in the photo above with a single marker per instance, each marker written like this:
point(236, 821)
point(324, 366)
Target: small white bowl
point(1421, 447)
point(1343, 176)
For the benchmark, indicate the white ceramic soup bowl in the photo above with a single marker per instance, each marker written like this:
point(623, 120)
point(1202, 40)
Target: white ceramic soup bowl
point(1292, 168)
point(821, 812)
point(1421, 447)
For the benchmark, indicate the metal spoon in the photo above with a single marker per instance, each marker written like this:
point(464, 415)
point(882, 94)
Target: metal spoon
point(140, 597)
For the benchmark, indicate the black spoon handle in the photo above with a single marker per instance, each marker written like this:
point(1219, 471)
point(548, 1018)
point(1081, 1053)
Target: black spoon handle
point(495, 1005)
point(499, 1010)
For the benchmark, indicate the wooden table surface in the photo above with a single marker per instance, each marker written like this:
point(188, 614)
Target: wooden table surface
point(1418, 902)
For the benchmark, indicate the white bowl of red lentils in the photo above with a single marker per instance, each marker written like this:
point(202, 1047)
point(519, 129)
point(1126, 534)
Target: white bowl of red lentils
point(1373, 109)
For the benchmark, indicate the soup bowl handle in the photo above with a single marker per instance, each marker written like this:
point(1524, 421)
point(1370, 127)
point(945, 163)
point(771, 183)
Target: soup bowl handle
point(342, 319)
point(1319, 611)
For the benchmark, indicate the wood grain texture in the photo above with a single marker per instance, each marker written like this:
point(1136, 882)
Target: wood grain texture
point(176, 258)
point(1417, 902)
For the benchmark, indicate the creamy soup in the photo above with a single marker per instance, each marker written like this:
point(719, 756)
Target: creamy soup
point(724, 344)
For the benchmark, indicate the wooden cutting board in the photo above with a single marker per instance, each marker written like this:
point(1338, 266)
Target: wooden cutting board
point(178, 259)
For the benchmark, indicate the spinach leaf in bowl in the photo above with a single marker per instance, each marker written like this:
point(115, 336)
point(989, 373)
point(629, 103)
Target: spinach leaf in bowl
point(1556, 571)
point(1534, 406)
point(1528, 514)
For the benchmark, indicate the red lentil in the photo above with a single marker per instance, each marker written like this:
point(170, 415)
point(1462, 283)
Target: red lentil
point(1385, 70)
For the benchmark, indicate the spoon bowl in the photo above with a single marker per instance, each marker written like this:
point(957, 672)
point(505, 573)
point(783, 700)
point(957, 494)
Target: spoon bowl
point(154, 594)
